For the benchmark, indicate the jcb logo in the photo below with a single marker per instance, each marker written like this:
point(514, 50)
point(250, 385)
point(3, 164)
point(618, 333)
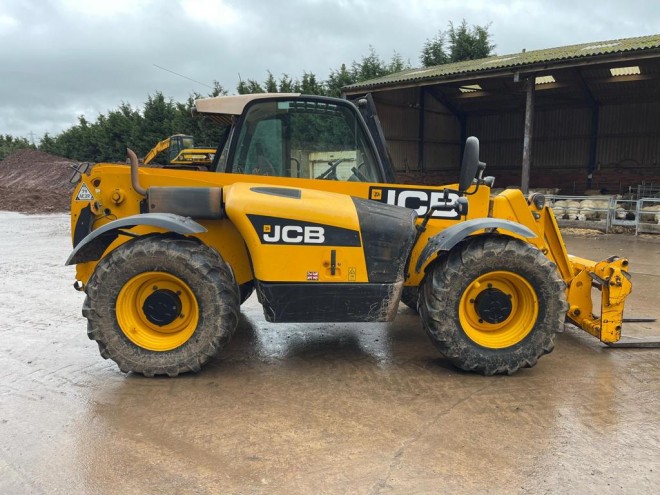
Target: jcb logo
point(419, 200)
point(273, 230)
point(293, 234)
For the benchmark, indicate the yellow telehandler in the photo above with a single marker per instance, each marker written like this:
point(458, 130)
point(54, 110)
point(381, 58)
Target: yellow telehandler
point(301, 205)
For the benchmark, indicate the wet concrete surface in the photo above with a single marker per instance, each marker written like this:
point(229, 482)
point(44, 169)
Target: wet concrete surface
point(323, 408)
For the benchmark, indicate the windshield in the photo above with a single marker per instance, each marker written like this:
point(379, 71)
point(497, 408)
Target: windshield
point(304, 139)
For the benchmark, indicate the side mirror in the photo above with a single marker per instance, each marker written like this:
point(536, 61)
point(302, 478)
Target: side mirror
point(470, 164)
point(462, 206)
point(78, 170)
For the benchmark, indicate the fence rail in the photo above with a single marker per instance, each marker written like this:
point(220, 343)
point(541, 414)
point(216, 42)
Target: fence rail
point(605, 212)
point(648, 216)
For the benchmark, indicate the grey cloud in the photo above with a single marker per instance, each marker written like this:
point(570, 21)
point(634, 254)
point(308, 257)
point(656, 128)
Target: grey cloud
point(57, 64)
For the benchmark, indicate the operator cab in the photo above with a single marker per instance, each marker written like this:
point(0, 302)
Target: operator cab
point(307, 137)
point(178, 143)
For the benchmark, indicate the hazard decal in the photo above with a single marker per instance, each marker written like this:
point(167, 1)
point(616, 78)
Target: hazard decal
point(84, 194)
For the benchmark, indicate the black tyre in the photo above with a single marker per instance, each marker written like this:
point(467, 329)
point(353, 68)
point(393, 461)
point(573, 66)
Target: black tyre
point(493, 304)
point(409, 297)
point(161, 305)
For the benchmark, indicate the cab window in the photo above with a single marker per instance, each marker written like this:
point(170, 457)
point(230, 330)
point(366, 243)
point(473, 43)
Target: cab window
point(304, 139)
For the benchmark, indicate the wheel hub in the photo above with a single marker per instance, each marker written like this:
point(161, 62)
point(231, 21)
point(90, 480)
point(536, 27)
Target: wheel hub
point(493, 305)
point(162, 307)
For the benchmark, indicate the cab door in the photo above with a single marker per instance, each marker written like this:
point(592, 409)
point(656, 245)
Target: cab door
point(306, 138)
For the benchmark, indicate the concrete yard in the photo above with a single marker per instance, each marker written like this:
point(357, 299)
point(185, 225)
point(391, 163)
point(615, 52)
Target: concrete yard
point(322, 408)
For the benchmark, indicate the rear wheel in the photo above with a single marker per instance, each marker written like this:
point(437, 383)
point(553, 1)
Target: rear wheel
point(161, 305)
point(493, 305)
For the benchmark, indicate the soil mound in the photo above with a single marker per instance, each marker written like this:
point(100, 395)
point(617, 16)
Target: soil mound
point(32, 181)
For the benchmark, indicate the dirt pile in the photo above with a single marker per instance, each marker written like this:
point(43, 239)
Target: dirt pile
point(32, 181)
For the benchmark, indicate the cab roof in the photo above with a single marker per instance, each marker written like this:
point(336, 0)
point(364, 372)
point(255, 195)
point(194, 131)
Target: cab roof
point(225, 106)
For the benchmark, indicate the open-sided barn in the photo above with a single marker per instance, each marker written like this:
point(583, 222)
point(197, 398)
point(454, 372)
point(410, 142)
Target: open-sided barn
point(574, 117)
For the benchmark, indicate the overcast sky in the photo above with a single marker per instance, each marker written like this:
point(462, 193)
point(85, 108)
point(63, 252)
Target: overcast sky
point(63, 58)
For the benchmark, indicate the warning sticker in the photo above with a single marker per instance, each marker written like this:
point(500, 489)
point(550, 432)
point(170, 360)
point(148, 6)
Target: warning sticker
point(312, 275)
point(84, 194)
point(376, 194)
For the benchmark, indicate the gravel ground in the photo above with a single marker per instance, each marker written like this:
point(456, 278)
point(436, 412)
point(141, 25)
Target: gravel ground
point(324, 408)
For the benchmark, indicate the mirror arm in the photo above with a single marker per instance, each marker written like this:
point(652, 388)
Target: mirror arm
point(465, 193)
point(445, 196)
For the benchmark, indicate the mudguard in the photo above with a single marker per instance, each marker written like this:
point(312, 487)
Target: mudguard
point(94, 245)
point(451, 236)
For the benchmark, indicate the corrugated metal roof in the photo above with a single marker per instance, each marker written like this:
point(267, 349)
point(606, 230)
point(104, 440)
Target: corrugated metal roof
point(530, 58)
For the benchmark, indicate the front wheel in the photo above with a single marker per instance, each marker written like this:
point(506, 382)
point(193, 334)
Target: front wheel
point(493, 304)
point(161, 305)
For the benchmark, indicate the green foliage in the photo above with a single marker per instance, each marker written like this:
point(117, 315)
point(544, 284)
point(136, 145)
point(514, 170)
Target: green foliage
point(433, 52)
point(310, 86)
point(9, 144)
point(338, 79)
point(248, 87)
point(469, 43)
point(458, 43)
point(368, 67)
point(286, 84)
point(107, 138)
point(271, 83)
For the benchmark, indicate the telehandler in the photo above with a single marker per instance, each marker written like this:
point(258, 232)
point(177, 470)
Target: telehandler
point(301, 205)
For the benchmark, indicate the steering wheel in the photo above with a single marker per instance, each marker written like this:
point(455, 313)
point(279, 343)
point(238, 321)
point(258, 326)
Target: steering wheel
point(331, 172)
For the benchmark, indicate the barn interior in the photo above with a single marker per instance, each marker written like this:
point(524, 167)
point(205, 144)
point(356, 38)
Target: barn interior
point(575, 118)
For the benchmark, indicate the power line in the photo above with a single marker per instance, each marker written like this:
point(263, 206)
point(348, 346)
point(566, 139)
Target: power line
point(181, 75)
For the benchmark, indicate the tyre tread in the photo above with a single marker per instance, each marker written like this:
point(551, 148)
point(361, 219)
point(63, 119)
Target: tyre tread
point(156, 252)
point(438, 306)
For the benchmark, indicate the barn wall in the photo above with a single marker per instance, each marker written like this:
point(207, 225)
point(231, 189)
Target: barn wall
point(627, 154)
point(442, 134)
point(399, 115)
point(398, 112)
point(629, 136)
point(560, 139)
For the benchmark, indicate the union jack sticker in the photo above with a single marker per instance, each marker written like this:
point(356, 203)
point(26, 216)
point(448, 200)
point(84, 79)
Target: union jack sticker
point(312, 275)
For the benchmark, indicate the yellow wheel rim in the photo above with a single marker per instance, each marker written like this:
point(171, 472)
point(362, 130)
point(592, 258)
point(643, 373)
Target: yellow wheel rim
point(157, 311)
point(486, 316)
